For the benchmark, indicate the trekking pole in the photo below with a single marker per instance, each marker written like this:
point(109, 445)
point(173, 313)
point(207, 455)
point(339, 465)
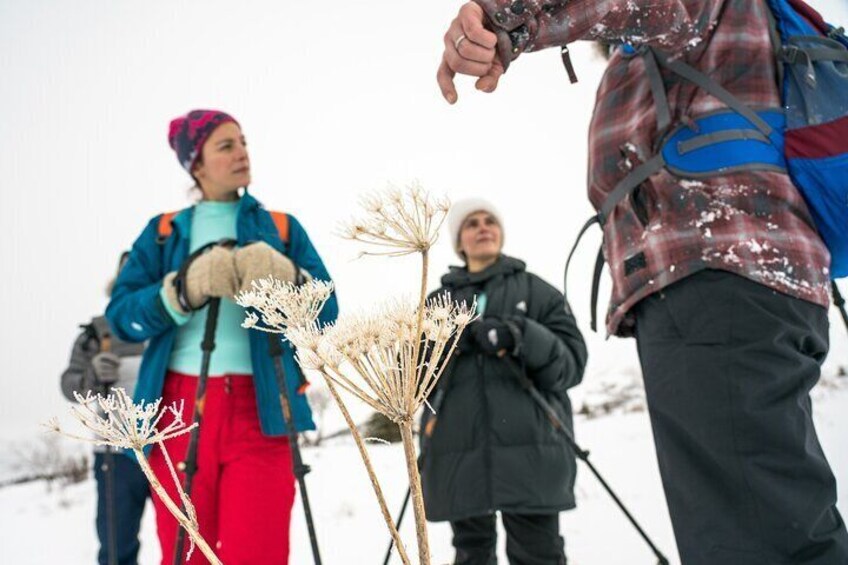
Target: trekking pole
point(207, 346)
point(398, 523)
point(839, 302)
point(581, 453)
point(109, 473)
point(275, 347)
point(111, 538)
point(189, 466)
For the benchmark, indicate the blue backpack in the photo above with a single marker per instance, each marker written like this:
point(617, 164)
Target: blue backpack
point(815, 97)
point(808, 137)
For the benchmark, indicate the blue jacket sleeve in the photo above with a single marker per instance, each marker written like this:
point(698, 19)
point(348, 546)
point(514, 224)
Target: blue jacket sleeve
point(304, 254)
point(136, 312)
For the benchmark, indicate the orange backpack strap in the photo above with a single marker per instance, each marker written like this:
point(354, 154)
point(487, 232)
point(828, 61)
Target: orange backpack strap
point(281, 219)
point(165, 227)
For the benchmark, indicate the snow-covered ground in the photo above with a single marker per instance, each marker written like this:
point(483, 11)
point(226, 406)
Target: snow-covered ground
point(57, 527)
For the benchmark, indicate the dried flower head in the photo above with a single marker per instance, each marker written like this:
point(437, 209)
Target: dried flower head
point(381, 358)
point(281, 305)
point(117, 421)
point(404, 221)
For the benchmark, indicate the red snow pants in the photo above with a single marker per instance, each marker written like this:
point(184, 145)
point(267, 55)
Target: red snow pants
point(244, 487)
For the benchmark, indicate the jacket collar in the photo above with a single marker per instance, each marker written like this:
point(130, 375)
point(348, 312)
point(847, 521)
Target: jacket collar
point(182, 220)
point(459, 277)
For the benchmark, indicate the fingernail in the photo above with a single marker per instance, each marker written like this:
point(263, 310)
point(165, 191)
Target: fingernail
point(451, 97)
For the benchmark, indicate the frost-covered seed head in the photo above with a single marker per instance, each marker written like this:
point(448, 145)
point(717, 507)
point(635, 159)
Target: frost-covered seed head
point(117, 421)
point(372, 354)
point(281, 305)
point(401, 221)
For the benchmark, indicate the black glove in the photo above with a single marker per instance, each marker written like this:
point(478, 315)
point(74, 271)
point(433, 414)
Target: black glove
point(467, 343)
point(496, 337)
point(105, 366)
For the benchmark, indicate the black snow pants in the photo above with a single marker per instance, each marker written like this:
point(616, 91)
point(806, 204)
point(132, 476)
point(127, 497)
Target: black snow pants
point(531, 539)
point(728, 366)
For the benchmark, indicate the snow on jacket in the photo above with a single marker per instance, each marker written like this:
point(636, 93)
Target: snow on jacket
point(752, 223)
point(136, 312)
point(492, 448)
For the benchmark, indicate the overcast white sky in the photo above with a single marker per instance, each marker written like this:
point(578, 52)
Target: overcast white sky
point(336, 98)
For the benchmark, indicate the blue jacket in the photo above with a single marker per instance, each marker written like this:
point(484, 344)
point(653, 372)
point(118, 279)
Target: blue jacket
point(136, 312)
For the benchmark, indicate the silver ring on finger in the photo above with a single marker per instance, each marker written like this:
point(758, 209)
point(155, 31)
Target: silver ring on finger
point(457, 41)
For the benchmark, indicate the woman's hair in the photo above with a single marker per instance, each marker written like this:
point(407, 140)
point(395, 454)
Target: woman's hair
point(195, 192)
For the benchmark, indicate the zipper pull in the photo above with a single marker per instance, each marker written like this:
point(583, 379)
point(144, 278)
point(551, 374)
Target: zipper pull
point(566, 60)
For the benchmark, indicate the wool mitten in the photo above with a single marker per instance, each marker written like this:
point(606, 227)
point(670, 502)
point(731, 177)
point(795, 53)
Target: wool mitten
point(259, 260)
point(210, 275)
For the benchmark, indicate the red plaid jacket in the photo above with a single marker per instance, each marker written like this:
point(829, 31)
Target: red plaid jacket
point(753, 223)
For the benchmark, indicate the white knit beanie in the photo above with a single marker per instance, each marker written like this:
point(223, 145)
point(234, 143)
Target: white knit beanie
point(464, 208)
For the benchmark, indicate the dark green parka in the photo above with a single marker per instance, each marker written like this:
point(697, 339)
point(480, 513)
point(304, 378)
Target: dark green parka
point(491, 447)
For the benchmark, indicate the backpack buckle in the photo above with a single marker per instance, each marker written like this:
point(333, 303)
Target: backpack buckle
point(789, 54)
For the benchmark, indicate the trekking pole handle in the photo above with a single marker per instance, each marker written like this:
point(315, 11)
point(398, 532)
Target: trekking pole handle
point(179, 280)
point(208, 343)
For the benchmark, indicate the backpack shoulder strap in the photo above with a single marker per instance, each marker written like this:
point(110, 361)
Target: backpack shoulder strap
point(839, 302)
point(104, 333)
point(165, 228)
point(281, 220)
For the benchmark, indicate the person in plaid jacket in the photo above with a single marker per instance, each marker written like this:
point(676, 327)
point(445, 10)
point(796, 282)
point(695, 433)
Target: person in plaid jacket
point(722, 280)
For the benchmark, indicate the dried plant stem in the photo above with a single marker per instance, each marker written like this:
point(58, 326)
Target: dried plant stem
point(371, 474)
point(406, 424)
point(419, 326)
point(184, 521)
point(417, 494)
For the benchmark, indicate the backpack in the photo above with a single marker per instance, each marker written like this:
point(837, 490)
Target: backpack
point(808, 137)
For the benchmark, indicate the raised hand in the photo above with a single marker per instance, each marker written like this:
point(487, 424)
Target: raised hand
point(470, 49)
